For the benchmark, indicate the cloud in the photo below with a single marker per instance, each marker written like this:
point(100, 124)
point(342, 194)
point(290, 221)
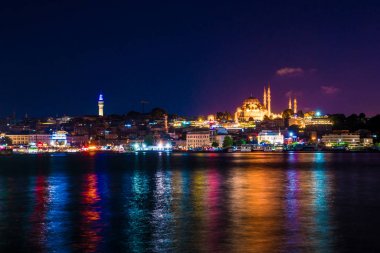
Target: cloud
point(329, 90)
point(287, 71)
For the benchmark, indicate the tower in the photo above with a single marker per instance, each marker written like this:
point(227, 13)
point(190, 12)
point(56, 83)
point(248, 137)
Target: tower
point(290, 103)
point(295, 105)
point(269, 101)
point(101, 105)
point(166, 123)
point(265, 97)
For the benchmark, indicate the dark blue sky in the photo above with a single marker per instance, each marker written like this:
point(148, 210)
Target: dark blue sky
point(188, 57)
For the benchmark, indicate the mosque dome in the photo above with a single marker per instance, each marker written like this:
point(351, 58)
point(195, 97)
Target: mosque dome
point(251, 100)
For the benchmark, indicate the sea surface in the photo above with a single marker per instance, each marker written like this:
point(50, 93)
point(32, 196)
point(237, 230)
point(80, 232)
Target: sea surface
point(159, 202)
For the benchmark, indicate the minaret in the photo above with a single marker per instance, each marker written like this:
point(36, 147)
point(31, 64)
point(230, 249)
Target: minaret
point(101, 105)
point(290, 103)
point(265, 97)
point(269, 101)
point(166, 123)
point(295, 105)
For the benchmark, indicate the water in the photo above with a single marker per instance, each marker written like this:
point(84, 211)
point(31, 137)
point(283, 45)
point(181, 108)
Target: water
point(257, 202)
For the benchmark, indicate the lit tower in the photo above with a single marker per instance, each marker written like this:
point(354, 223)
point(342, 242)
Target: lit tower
point(269, 101)
point(265, 97)
point(166, 123)
point(101, 105)
point(295, 105)
point(290, 103)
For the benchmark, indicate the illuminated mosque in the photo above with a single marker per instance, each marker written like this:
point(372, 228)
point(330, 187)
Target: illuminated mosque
point(253, 110)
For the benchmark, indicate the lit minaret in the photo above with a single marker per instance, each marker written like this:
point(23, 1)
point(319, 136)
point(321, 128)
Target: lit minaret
point(290, 103)
point(295, 105)
point(101, 105)
point(166, 123)
point(265, 97)
point(269, 101)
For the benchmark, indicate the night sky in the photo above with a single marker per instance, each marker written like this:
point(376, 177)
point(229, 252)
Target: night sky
point(188, 57)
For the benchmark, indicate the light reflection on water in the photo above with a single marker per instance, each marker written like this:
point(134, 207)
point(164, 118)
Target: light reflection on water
point(184, 203)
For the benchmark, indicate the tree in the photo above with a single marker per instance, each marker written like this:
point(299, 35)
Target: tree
point(215, 144)
point(157, 113)
point(240, 142)
point(5, 141)
point(223, 116)
point(339, 121)
point(287, 114)
point(374, 123)
point(133, 114)
point(227, 142)
point(300, 114)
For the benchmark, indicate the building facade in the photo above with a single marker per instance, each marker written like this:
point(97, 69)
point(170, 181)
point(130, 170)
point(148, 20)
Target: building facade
point(349, 140)
point(270, 137)
point(199, 139)
point(26, 139)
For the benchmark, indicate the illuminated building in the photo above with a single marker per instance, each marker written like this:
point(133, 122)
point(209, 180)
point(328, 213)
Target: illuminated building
point(313, 121)
point(320, 124)
point(211, 117)
point(346, 139)
point(367, 142)
point(253, 110)
point(59, 138)
point(321, 120)
point(26, 139)
point(290, 103)
point(295, 105)
point(331, 140)
point(270, 137)
point(298, 121)
point(101, 105)
point(199, 139)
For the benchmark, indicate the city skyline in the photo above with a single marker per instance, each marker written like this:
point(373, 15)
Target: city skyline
point(189, 126)
point(190, 59)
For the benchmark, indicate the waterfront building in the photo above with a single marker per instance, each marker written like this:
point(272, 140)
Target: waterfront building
point(198, 139)
point(367, 142)
point(344, 139)
point(77, 140)
point(59, 138)
point(101, 105)
point(26, 139)
point(270, 137)
point(179, 144)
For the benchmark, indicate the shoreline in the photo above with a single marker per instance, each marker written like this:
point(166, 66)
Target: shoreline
point(192, 152)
